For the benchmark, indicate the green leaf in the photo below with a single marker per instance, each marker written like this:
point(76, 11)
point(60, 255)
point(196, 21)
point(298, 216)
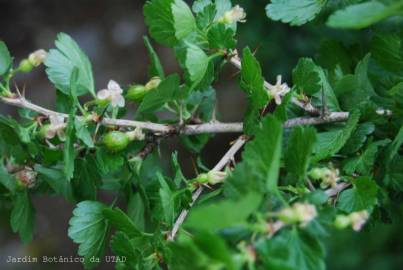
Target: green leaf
point(121, 222)
point(299, 150)
point(306, 77)
point(159, 19)
point(167, 200)
point(358, 138)
point(364, 163)
point(292, 250)
point(22, 217)
point(260, 164)
point(68, 150)
point(330, 142)
point(199, 5)
point(169, 20)
point(61, 61)
point(387, 50)
point(252, 83)
point(5, 58)
point(86, 178)
point(82, 133)
point(294, 12)
point(108, 162)
point(332, 54)
point(122, 246)
point(220, 37)
point(329, 94)
point(136, 210)
point(222, 6)
point(369, 13)
point(206, 17)
point(391, 152)
point(221, 214)
point(155, 68)
point(215, 248)
point(184, 21)
point(165, 92)
point(196, 63)
point(7, 180)
point(361, 197)
point(57, 181)
point(363, 91)
point(88, 228)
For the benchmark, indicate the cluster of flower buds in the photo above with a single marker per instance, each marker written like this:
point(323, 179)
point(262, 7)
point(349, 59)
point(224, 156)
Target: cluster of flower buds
point(236, 14)
point(326, 176)
point(212, 177)
point(26, 178)
point(356, 220)
point(298, 213)
point(137, 92)
point(278, 90)
point(35, 59)
point(116, 141)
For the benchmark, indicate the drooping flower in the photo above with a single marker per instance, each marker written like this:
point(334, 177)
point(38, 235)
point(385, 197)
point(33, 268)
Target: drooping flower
point(27, 177)
point(37, 57)
point(136, 135)
point(278, 90)
point(327, 176)
point(305, 212)
point(56, 127)
point(358, 219)
point(112, 94)
point(236, 14)
point(302, 213)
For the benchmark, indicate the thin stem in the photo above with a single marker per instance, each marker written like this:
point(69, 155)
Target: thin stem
point(220, 165)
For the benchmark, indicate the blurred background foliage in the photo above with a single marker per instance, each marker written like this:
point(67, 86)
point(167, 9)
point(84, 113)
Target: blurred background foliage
point(111, 32)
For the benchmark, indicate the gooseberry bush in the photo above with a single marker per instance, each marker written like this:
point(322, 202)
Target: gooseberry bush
point(320, 154)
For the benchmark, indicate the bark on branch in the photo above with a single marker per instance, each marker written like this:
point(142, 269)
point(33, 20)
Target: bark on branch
point(211, 127)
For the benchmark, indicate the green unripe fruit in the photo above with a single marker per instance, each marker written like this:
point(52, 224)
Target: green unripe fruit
point(136, 93)
point(116, 141)
point(25, 66)
point(342, 222)
point(318, 173)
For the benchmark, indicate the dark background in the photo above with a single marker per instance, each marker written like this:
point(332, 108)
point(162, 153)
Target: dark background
point(110, 32)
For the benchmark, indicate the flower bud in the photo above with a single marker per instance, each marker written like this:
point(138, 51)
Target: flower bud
point(358, 219)
point(136, 135)
point(136, 93)
point(37, 57)
point(153, 83)
point(236, 14)
point(302, 213)
point(328, 177)
point(26, 177)
point(216, 177)
point(116, 141)
point(212, 177)
point(25, 66)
